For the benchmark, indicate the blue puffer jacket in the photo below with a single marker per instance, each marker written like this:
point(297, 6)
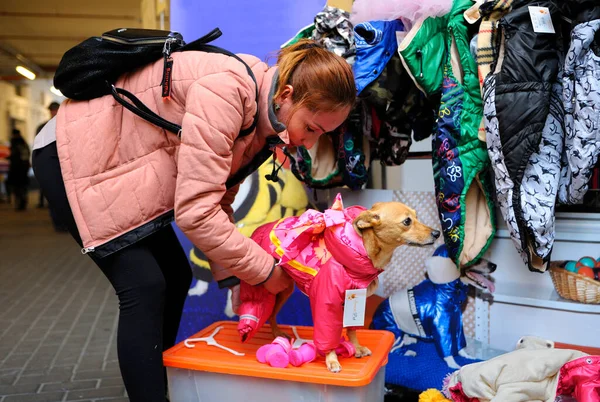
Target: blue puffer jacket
point(376, 43)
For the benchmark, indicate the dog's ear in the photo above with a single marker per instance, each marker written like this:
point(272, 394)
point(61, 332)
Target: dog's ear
point(366, 219)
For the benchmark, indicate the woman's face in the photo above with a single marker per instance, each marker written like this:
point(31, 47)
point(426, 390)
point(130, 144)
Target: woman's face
point(304, 126)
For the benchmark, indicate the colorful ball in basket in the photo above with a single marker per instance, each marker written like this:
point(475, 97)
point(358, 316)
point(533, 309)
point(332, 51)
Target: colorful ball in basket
point(589, 262)
point(586, 271)
point(597, 273)
point(571, 266)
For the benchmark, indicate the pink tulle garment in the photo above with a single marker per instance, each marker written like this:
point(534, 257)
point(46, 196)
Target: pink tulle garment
point(408, 11)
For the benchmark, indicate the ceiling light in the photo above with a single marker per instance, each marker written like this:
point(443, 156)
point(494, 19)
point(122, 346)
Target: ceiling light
point(25, 72)
point(56, 91)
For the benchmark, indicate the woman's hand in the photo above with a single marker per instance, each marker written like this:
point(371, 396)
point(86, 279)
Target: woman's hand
point(279, 281)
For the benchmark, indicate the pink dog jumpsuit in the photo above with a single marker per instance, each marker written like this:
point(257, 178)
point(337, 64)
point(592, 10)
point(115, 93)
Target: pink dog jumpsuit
point(324, 256)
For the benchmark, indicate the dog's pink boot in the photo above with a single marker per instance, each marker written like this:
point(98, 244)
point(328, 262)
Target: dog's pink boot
point(279, 354)
point(304, 354)
point(275, 354)
point(261, 353)
point(345, 349)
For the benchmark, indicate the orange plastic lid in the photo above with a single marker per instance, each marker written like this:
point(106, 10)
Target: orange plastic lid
point(355, 372)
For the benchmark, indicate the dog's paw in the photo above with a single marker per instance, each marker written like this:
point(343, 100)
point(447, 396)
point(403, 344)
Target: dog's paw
point(408, 340)
point(333, 366)
point(410, 353)
point(362, 351)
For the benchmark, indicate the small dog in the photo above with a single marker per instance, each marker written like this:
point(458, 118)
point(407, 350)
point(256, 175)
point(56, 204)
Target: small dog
point(383, 228)
point(432, 310)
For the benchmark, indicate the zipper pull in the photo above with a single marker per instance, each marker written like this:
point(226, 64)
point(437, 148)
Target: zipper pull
point(167, 69)
point(88, 250)
point(420, 57)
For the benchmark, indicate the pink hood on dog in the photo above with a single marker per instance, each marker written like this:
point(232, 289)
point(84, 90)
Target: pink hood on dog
point(325, 256)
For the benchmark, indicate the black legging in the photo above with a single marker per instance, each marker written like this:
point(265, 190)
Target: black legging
point(151, 279)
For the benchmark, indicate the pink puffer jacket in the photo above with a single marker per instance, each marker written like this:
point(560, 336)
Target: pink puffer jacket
point(325, 257)
point(580, 379)
point(122, 173)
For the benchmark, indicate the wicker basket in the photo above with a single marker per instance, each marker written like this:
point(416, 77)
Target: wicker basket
point(573, 286)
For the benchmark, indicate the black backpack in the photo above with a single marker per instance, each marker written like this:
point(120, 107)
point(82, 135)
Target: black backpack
point(90, 69)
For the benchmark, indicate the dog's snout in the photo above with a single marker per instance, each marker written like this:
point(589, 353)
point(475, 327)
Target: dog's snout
point(435, 234)
point(492, 266)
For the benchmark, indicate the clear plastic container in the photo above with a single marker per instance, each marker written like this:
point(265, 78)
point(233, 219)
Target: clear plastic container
point(209, 374)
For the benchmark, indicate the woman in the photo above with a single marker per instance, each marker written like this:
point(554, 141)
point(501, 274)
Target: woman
point(116, 179)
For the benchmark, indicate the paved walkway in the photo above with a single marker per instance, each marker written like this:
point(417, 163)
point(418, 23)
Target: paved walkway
point(58, 316)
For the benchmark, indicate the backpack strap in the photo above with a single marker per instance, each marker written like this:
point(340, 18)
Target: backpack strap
point(202, 46)
point(139, 108)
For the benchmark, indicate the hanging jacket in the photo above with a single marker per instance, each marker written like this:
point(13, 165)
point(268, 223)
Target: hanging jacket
point(336, 160)
point(402, 109)
point(523, 118)
point(581, 98)
point(339, 158)
point(333, 30)
point(460, 160)
point(325, 256)
point(126, 178)
point(375, 44)
point(580, 379)
point(490, 12)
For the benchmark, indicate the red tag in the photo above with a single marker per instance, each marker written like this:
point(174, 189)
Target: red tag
point(166, 81)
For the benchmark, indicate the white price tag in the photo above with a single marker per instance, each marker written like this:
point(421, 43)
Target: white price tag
point(541, 19)
point(354, 308)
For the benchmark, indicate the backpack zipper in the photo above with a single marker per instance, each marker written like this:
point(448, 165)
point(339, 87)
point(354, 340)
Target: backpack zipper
point(167, 68)
point(140, 42)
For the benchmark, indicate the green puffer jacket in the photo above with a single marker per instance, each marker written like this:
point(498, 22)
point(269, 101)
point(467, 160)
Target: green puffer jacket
point(436, 53)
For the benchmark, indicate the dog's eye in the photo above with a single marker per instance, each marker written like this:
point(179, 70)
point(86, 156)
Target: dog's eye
point(407, 222)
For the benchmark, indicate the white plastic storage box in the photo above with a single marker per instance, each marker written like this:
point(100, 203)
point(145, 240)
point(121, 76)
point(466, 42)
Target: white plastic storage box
point(208, 373)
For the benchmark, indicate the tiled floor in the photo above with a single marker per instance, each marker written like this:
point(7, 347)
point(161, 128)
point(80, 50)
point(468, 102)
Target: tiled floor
point(58, 316)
